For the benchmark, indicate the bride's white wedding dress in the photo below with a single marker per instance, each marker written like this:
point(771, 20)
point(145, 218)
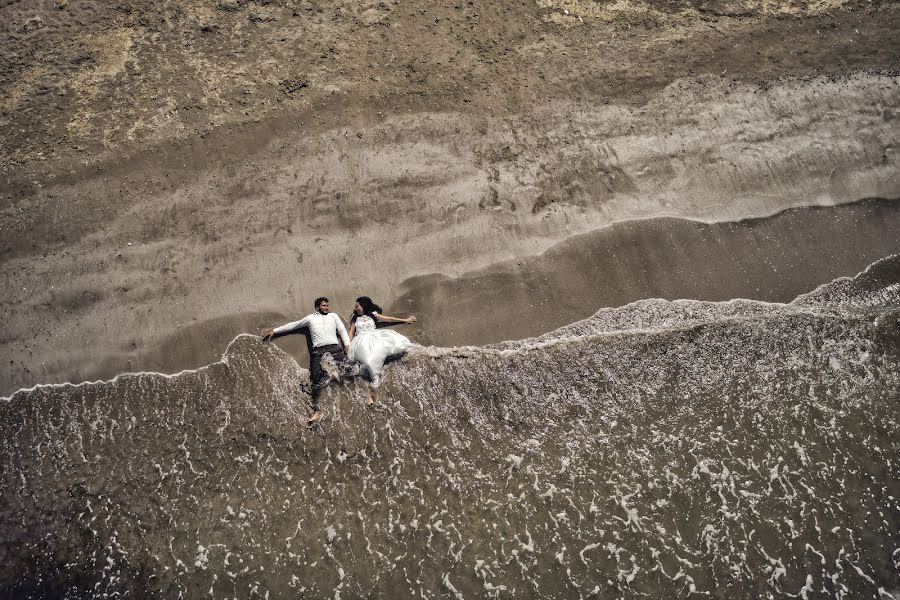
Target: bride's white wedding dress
point(370, 347)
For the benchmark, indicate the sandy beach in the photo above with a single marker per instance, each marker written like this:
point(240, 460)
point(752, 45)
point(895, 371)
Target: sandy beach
point(653, 247)
point(155, 204)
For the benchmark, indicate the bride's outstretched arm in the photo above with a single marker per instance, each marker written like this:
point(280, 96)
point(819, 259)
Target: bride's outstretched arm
point(352, 330)
point(387, 319)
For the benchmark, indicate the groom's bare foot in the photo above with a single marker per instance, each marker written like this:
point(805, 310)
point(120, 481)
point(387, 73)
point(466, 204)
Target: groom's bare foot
point(314, 418)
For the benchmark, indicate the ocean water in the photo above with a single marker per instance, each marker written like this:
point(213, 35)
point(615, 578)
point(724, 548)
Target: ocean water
point(735, 450)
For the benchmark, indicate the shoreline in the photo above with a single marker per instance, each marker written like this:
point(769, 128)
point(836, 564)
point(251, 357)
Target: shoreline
point(426, 332)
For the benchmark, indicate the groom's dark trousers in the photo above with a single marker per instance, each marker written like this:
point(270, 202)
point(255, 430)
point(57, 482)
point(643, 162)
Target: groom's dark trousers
point(316, 374)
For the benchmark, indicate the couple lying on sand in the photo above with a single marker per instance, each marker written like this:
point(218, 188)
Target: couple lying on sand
point(364, 350)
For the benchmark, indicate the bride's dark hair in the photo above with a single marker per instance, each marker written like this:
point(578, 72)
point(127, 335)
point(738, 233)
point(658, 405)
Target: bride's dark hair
point(368, 307)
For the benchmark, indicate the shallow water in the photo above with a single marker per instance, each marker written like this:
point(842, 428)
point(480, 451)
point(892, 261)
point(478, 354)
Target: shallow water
point(738, 449)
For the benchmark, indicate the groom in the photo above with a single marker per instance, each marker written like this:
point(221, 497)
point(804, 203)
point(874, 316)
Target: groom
point(324, 329)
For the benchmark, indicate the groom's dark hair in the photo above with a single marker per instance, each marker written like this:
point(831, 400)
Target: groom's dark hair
point(320, 300)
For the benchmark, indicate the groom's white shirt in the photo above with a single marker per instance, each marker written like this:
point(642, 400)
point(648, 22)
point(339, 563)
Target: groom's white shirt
point(322, 328)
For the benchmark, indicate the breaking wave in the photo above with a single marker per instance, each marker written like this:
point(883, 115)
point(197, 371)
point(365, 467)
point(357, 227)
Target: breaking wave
point(738, 449)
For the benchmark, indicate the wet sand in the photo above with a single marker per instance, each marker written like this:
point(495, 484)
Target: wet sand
point(772, 259)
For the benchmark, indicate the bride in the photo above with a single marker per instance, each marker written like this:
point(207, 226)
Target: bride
point(370, 346)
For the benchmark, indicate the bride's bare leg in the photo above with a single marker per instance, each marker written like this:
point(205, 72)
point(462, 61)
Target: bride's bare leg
point(372, 395)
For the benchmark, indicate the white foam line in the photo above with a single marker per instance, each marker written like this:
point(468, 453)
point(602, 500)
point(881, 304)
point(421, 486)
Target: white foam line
point(789, 309)
point(68, 384)
point(687, 302)
point(438, 352)
point(865, 271)
point(753, 216)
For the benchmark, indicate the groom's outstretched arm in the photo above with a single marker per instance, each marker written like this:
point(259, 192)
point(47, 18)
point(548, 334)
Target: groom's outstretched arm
point(286, 328)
